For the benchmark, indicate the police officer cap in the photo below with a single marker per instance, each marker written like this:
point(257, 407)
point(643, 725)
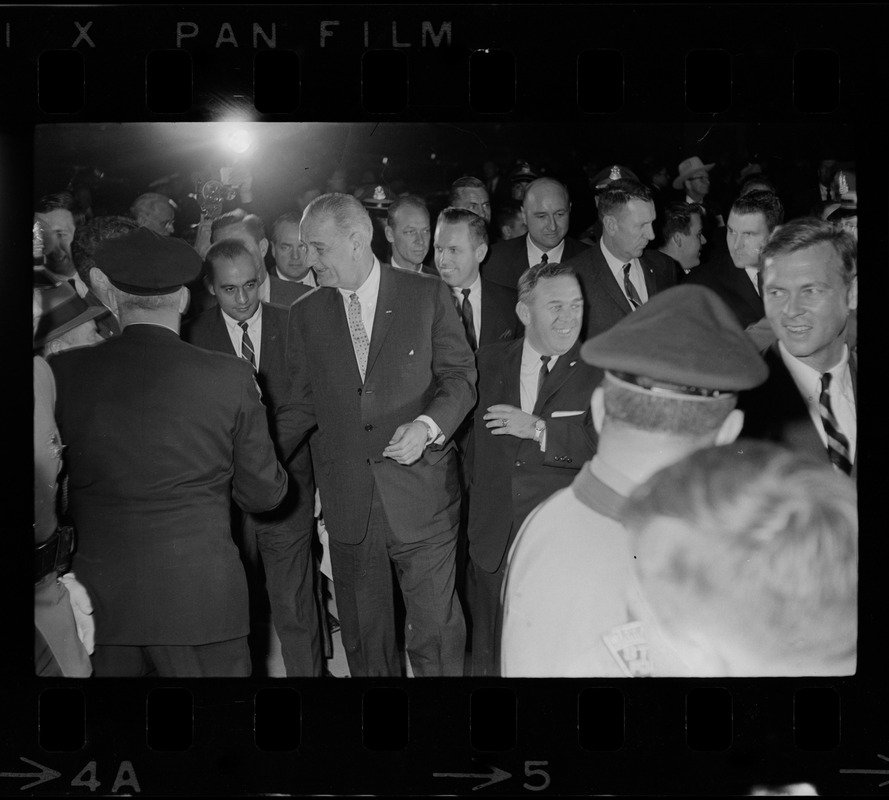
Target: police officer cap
point(144, 262)
point(608, 175)
point(684, 340)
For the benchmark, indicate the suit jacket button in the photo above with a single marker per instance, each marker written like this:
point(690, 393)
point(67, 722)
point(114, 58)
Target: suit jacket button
point(568, 459)
point(359, 390)
point(518, 463)
point(368, 462)
point(368, 427)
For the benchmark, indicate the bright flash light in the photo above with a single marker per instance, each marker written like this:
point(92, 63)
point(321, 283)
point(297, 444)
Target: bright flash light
point(238, 140)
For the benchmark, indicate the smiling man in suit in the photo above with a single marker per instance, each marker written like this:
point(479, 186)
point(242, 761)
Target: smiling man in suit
point(532, 432)
point(810, 287)
point(380, 364)
point(243, 326)
point(618, 275)
point(546, 211)
point(735, 277)
point(487, 309)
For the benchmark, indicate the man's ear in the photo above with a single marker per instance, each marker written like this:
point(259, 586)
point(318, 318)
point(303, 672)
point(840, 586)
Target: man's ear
point(852, 296)
point(597, 406)
point(677, 240)
point(609, 224)
point(263, 246)
point(523, 313)
point(480, 252)
point(184, 299)
point(390, 234)
point(98, 277)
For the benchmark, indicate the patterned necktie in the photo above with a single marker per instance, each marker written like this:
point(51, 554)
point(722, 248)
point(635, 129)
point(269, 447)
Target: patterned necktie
point(544, 259)
point(837, 443)
point(359, 335)
point(247, 351)
point(541, 376)
point(468, 320)
point(632, 294)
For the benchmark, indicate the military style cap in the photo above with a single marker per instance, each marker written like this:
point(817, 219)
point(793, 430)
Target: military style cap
point(685, 341)
point(144, 262)
point(608, 175)
point(62, 310)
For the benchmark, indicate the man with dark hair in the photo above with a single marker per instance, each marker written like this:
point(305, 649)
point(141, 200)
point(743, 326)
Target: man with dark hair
point(87, 239)
point(249, 229)
point(617, 275)
point(380, 364)
point(487, 309)
point(532, 432)
point(243, 326)
point(55, 213)
point(510, 224)
point(757, 182)
point(683, 237)
point(672, 373)
point(810, 288)
point(161, 436)
point(288, 253)
point(735, 277)
point(407, 231)
point(746, 560)
point(469, 192)
point(546, 212)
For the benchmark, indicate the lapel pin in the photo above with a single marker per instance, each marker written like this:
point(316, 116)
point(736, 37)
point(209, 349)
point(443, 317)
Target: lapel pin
point(572, 364)
point(388, 310)
point(411, 353)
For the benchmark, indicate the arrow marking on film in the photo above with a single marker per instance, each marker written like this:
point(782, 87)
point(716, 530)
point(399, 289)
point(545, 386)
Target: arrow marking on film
point(494, 777)
point(45, 774)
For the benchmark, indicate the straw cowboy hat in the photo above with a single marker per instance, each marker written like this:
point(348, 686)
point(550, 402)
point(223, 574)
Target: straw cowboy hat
point(690, 167)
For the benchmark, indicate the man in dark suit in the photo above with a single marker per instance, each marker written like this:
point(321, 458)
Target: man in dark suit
point(810, 398)
point(287, 252)
point(249, 229)
point(380, 363)
point(546, 211)
point(161, 436)
point(618, 275)
point(735, 277)
point(243, 326)
point(407, 231)
point(486, 308)
point(682, 237)
point(532, 431)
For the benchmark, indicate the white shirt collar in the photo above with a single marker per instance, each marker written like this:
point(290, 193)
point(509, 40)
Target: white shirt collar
point(535, 253)
point(808, 379)
point(252, 323)
point(475, 289)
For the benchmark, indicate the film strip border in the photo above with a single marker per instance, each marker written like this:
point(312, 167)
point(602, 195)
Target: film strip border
point(441, 63)
point(433, 737)
point(598, 64)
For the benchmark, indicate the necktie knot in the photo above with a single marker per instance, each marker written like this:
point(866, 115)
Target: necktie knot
point(466, 292)
point(243, 326)
point(544, 259)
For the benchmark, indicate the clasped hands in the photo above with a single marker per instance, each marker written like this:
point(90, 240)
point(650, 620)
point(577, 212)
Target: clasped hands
point(506, 420)
point(407, 443)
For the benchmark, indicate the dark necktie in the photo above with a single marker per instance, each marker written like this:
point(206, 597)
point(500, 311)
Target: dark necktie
point(541, 376)
point(247, 351)
point(837, 443)
point(468, 320)
point(632, 294)
point(544, 259)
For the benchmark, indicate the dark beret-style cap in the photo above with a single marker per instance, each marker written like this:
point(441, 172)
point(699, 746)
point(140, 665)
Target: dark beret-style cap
point(144, 262)
point(684, 340)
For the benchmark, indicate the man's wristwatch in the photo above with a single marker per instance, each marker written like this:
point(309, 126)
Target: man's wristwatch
point(428, 431)
point(539, 428)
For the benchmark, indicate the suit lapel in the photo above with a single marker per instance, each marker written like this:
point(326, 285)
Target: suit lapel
point(221, 340)
point(602, 272)
point(564, 368)
point(512, 373)
point(387, 301)
point(648, 273)
point(746, 290)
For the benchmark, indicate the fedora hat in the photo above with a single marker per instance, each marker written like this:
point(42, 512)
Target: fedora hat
point(688, 168)
point(62, 310)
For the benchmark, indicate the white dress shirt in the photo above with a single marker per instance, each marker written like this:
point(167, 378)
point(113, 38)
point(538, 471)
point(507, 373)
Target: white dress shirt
point(753, 274)
point(842, 396)
point(475, 301)
point(637, 277)
point(254, 331)
point(530, 374)
point(553, 256)
point(368, 294)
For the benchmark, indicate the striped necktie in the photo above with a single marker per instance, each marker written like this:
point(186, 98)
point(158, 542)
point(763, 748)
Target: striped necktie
point(837, 443)
point(632, 294)
point(247, 351)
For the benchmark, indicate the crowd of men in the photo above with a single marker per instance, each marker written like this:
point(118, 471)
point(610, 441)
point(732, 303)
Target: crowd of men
point(631, 453)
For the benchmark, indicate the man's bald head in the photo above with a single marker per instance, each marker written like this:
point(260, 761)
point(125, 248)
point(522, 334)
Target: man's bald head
point(546, 211)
